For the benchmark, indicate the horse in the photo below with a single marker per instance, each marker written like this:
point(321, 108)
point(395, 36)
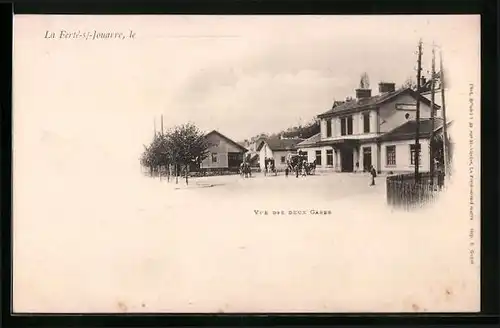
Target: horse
point(245, 170)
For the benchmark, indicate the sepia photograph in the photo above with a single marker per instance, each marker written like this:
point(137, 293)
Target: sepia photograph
point(246, 164)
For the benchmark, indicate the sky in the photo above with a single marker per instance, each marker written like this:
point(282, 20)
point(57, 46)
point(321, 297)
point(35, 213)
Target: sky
point(240, 75)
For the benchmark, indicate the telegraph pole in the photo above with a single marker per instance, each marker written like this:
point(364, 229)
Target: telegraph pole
point(154, 123)
point(162, 124)
point(431, 143)
point(443, 110)
point(161, 166)
point(417, 130)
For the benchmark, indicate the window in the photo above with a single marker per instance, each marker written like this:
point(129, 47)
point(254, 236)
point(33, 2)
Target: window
point(343, 127)
point(349, 125)
point(328, 128)
point(412, 154)
point(329, 157)
point(318, 157)
point(283, 159)
point(214, 157)
point(346, 125)
point(390, 155)
point(366, 122)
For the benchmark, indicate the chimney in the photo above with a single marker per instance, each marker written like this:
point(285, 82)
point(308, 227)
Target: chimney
point(384, 87)
point(363, 93)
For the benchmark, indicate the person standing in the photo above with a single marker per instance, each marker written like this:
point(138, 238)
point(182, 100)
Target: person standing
point(373, 173)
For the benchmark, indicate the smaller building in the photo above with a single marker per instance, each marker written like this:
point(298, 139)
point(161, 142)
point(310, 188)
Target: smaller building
point(398, 146)
point(278, 150)
point(223, 153)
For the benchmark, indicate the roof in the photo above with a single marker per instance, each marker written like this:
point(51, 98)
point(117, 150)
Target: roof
point(408, 130)
point(370, 102)
point(440, 128)
point(243, 149)
point(280, 144)
point(310, 141)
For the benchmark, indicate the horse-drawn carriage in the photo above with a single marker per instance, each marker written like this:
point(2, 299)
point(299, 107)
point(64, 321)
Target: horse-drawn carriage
point(245, 170)
point(298, 163)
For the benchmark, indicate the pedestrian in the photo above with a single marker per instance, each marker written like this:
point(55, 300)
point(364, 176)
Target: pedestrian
point(373, 173)
point(297, 168)
point(357, 167)
point(286, 172)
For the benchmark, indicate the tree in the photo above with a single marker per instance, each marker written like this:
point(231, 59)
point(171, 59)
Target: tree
point(186, 145)
point(436, 144)
point(409, 83)
point(181, 146)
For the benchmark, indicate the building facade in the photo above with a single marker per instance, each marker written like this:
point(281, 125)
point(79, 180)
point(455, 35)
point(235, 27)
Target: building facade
point(223, 153)
point(278, 150)
point(350, 133)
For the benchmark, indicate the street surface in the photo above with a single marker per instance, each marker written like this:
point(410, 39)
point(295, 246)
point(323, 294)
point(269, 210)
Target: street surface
point(98, 240)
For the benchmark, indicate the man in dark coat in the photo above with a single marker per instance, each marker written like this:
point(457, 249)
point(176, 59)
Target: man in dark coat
point(373, 173)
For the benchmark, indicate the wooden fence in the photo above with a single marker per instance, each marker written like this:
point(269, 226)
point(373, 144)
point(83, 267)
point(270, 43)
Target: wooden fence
point(200, 172)
point(405, 193)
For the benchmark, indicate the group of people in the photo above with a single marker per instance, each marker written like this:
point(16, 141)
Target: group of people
point(270, 167)
point(300, 167)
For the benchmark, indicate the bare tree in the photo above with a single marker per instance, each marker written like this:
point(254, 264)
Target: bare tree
point(409, 83)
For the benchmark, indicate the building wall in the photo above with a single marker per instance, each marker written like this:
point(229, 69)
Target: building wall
point(222, 148)
point(391, 118)
point(357, 125)
point(403, 156)
point(387, 119)
point(265, 152)
point(311, 156)
point(277, 158)
point(374, 155)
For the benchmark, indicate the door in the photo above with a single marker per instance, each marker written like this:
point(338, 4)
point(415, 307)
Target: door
point(234, 160)
point(347, 160)
point(367, 158)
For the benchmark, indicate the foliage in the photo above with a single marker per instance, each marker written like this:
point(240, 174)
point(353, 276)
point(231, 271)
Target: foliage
point(300, 131)
point(409, 83)
point(183, 145)
point(186, 144)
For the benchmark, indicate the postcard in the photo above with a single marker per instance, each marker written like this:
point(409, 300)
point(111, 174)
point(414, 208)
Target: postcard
point(246, 164)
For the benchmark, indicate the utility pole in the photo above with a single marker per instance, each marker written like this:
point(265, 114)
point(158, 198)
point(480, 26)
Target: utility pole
point(431, 143)
point(162, 124)
point(443, 110)
point(161, 166)
point(154, 123)
point(417, 130)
